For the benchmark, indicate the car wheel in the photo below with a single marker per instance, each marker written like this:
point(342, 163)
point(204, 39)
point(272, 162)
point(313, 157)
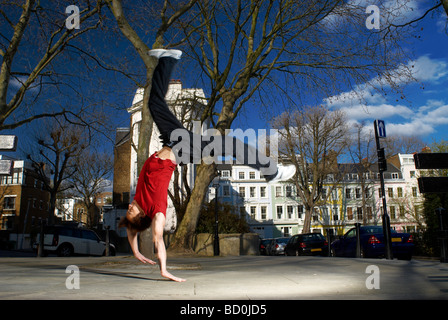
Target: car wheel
point(65, 250)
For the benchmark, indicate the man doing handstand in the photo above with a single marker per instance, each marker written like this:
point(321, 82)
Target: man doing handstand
point(148, 208)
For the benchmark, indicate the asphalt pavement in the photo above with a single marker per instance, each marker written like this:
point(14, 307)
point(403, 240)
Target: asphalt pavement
point(222, 278)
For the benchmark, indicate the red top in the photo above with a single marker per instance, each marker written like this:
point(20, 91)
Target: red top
point(152, 186)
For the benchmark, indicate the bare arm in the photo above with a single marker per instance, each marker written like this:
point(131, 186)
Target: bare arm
point(133, 241)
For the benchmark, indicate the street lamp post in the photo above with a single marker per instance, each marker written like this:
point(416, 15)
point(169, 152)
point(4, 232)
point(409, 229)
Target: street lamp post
point(216, 238)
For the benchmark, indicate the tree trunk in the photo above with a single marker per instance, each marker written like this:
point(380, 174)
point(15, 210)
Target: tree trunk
point(183, 238)
point(307, 220)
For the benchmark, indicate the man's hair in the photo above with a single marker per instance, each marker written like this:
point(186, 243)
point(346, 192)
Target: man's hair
point(139, 224)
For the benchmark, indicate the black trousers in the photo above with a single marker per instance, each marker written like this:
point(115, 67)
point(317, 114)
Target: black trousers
point(189, 147)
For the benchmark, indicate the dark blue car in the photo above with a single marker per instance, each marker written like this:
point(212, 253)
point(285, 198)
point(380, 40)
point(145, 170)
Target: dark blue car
point(372, 244)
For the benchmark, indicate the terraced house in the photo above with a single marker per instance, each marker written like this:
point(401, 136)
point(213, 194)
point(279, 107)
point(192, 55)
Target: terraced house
point(275, 210)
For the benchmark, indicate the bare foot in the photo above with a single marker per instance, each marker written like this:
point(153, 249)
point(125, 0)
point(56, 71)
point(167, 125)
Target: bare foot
point(169, 276)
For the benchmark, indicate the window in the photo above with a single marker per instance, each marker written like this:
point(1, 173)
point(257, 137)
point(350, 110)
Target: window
point(252, 175)
point(290, 212)
point(242, 192)
point(241, 176)
point(323, 194)
point(278, 191)
point(394, 175)
point(399, 192)
point(367, 192)
point(289, 191)
point(253, 212)
point(279, 212)
point(7, 222)
point(299, 211)
point(263, 210)
point(414, 192)
point(402, 211)
point(9, 203)
point(390, 192)
point(358, 193)
point(286, 231)
point(263, 192)
point(226, 191)
point(252, 192)
point(392, 212)
point(349, 213)
point(351, 234)
point(359, 213)
point(348, 193)
point(225, 173)
point(335, 213)
point(412, 173)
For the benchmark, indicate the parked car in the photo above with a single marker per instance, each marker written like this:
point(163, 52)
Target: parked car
point(307, 244)
point(372, 243)
point(277, 246)
point(66, 241)
point(264, 243)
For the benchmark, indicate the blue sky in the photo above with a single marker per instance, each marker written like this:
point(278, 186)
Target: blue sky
point(422, 109)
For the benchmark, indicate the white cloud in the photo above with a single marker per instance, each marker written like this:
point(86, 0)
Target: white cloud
point(364, 103)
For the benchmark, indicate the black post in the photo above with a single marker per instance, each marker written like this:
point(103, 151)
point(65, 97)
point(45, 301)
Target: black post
point(382, 166)
point(329, 238)
point(107, 253)
point(216, 240)
point(442, 215)
point(358, 240)
point(40, 250)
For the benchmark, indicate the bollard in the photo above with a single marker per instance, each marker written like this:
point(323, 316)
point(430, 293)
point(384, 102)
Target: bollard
point(358, 240)
point(40, 250)
point(107, 253)
point(329, 238)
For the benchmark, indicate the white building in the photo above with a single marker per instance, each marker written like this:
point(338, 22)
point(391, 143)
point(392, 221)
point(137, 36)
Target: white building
point(183, 103)
point(274, 210)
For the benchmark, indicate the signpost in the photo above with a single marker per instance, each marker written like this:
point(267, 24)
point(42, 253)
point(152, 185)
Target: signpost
point(380, 132)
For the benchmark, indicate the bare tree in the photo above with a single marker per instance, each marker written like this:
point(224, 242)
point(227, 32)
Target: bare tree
point(321, 46)
point(362, 153)
point(166, 21)
point(312, 140)
point(33, 36)
point(58, 150)
point(93, 170)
